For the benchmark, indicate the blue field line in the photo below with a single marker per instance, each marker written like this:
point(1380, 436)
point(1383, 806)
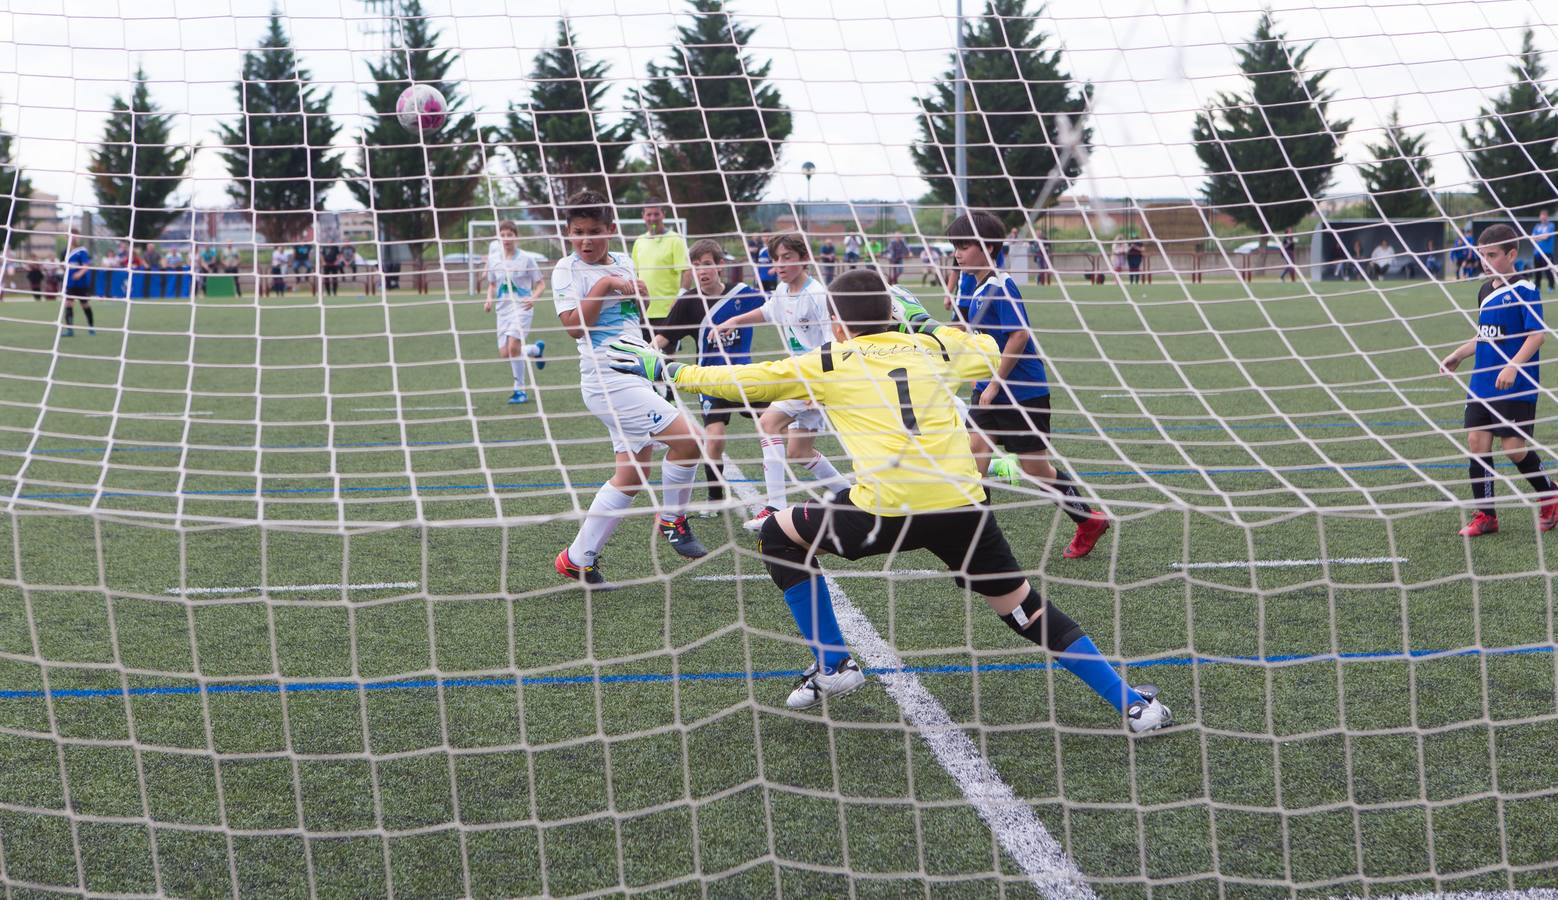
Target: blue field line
point(361, 445)
point(541, 485)
point(298, 687)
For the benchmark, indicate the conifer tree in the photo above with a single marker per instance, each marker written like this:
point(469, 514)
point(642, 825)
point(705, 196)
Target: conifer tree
point(137, 167)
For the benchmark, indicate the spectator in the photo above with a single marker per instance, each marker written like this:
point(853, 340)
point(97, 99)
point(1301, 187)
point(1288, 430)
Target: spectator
point(35, 277)
point(1468, 264)
point(828, 258)
point(897, 252)
point(173, 260)
point(765, 270)
point(1039, 252)
point(1289, 256)
point(1018, 255)
point(230, 263)
point(1134, 254)
point(876, 249)
point(1432, 265)
point(1117, 252)
point(1543, 260)
point(660, 259)
point(151, 257)
point(278, 271)
point(303, 259)
point(1381, 259)
point(330, 263)
point(931, 258)
point(852, 248)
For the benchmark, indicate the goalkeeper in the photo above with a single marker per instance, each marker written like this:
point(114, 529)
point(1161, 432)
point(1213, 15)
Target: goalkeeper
point(886, 386)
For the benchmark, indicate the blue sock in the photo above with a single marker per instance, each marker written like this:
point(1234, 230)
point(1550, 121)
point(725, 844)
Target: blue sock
point(1093, 669)
point(812, 607)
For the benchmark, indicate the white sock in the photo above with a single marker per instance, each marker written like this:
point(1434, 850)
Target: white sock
point(532, 350)
point(676, 484)
point(518, 365)
point(829, 476)
point(598, 525)
point(774, 473)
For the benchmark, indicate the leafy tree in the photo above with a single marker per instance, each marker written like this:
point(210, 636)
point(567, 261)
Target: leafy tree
point(14, 190)
point(1271, 152)
point(1512, 147)
point(1025, 117)
point(419, 186)
point(279, 152)
point(1401, 177)
point(714, 124)
point(137, 166)
point(557, 141)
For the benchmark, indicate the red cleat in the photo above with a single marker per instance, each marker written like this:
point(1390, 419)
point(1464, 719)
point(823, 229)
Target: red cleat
point(589, 576)
point(1480, 524)
point(1088, 533)
point(1549, 516)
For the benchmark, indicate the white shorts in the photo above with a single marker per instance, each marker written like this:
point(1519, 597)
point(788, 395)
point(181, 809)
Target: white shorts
point(807, 416)
point(629, 407)
point(514, 320)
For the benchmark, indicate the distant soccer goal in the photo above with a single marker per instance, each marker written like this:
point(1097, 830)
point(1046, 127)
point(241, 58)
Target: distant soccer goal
point(1083, 450)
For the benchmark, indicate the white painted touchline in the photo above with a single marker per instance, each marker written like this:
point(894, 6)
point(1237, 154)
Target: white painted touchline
point(1147, 395)
point(1012, 821)
point(910, 573)
point(408, 408)
point(1293, 563)
point(292, 588)
point(145, 415)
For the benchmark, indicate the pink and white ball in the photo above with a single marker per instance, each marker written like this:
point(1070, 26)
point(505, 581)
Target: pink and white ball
point(421, 108)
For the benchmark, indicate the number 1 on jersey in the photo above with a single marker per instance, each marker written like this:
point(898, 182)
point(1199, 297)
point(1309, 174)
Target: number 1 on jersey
point(900, 377)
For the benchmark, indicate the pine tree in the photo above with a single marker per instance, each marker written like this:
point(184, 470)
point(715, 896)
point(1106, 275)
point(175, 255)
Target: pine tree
point(1401, 176)
point(279, 152)
point(557, 141)
point(137, 167)
point(714, 124)
point(1269, 154)
point(1022, 109)
point(14, 191)
point(405, 177)
point(1513, 146)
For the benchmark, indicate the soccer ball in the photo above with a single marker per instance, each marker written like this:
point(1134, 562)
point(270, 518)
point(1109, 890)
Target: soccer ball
point(421, 108)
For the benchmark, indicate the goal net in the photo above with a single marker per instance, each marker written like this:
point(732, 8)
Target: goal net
point(280, 608)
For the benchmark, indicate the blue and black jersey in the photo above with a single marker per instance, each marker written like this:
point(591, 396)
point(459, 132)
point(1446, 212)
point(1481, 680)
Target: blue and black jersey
point(1508, 313)
point(694, 316)
point(996, 308)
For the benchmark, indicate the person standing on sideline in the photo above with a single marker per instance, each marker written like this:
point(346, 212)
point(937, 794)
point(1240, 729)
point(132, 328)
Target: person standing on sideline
point(1542, 259)
point(660, 259)
point(897, 252)
point(1289, 257)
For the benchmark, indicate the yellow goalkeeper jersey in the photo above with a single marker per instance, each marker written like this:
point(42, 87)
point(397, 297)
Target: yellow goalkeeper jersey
point(890, 398)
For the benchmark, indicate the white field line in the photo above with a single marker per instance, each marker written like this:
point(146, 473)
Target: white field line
point(1147, 395)
point(361, 409)
point(1293, 563)
point(292, 588)
point(1019, 831)
point(153, 415)
point(898, 573)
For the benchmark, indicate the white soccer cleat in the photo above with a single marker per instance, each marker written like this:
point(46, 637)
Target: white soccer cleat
point(814, 685)
point(755, 524)
point(1149, 715)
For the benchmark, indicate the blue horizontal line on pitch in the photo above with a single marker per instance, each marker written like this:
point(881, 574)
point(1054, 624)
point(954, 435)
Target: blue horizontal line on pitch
point(295, 687)
point(540, 485)
point(360, 445)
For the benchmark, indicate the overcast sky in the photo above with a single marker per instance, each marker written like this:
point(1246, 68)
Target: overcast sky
point(849, 69)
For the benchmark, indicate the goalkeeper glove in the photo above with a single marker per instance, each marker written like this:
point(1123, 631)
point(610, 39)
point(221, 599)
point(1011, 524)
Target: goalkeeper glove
point(908, 309)
point(633, 356)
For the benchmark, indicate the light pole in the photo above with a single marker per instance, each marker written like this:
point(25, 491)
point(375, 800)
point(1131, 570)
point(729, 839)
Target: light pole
point(960, 123)
point(807, 169)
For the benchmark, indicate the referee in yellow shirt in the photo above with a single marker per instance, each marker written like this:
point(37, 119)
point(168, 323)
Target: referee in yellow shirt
point(887, 381)
point(660, 259)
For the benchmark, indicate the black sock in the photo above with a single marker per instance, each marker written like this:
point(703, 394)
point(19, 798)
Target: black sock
point(1481, 471)
point(70, 315)
point(1530, 466)
point(87, 308)
point(1074, 506)
point(716, 486)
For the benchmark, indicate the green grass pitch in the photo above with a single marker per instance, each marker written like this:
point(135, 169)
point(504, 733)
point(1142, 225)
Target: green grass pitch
point(489, 730)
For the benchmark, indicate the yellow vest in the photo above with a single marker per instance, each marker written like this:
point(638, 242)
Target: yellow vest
point(660, 260)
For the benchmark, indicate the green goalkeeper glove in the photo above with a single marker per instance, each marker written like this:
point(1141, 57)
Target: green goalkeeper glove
point(633, 356)
point(908, 309)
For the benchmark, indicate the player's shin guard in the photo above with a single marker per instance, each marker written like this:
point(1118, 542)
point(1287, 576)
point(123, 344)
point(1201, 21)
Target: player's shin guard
point(716, 484)
point(1045, 624)
point(599, 523)
point(774, 473)
point(1072, 504)
point(827, 474)
point(677, 481)
point(811, 605)
point(70, 315)
point(517, 365)
point(1530, 466)
point(1481, 472)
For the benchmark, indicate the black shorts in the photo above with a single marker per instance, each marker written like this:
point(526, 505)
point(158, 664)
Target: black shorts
point(966, 539)
point(82, 291)
point(1019, 429)
point(718, 409)
point(1503, 418)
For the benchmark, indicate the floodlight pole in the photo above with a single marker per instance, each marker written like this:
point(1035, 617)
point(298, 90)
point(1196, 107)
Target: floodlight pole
point(960, 124)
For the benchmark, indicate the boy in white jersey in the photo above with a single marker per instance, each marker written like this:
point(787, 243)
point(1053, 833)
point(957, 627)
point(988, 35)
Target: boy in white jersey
point(596, 293)
point(799, 306)
point(513, 281)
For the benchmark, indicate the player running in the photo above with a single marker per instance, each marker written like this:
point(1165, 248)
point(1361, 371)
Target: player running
point(513, 283)
point(696, 314)
point(596, 292)
point(799, 306)
point(1012, 408)
point(889, 389)
point(1501, 394)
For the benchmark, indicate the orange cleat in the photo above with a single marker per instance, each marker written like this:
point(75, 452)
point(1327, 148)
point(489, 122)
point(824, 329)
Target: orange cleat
point(1088, 533)
point(1480, 524)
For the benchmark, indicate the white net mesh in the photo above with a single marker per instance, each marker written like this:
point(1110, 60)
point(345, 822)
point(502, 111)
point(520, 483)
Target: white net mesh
point(279, 615)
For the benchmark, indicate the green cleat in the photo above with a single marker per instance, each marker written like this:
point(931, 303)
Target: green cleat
point(1006, 468)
